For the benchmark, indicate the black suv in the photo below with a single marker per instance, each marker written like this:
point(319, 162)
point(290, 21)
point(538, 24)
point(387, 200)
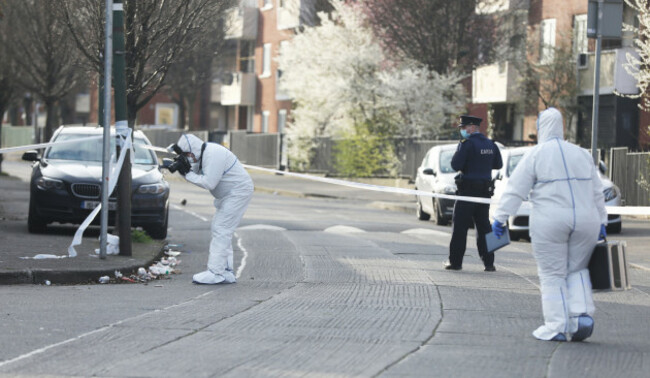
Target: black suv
point(66, 183)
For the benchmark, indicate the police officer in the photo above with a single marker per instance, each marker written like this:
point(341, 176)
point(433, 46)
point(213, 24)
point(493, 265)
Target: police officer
point(475, 158)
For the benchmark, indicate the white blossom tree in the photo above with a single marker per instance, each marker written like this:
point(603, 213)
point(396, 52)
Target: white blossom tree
point(339, 78)
point(638, 66)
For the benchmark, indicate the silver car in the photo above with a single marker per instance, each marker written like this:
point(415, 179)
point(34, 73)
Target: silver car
point(518, 223)
point(436, 175)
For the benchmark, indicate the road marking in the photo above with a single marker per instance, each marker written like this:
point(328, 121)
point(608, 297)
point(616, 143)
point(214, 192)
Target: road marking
point(262, 227)
point(176, 207)
point(242, 265)
point(343, 230)
point(425, 231)
point(639, 267)
point(102, 329)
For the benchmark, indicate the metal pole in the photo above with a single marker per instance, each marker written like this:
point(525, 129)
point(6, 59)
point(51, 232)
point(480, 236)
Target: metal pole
point(108, 63)
point(121, 124)
point(596, 103)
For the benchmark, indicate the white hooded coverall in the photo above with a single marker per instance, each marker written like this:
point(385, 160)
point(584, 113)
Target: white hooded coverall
point(568, 208)
point(224, 176)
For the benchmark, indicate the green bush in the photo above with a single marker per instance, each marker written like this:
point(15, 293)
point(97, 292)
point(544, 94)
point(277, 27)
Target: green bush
point(139, 236)
point(364, 154)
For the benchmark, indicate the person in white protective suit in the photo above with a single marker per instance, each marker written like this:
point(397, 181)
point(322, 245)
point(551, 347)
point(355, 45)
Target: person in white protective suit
point(568, 213)
point(218, 170)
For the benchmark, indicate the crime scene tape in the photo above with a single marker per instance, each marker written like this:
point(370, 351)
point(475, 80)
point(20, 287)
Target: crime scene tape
point(45, 145)
point(618, 210)
point(112, 181)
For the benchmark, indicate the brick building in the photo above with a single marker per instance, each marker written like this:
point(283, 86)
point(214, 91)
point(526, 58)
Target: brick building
point(537, 28)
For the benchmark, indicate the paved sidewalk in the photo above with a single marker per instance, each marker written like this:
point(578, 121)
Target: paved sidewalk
point(18, 247)
point(17, 265)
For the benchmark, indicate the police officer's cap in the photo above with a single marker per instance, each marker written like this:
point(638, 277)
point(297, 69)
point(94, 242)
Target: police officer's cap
point(469, 120)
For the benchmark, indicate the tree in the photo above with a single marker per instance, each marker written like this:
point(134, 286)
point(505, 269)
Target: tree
point(342, 84)
point(157, 34)
point(193, 71)
point(554, 83)
point(43, 53)
point(7, 75)
point(446, 36)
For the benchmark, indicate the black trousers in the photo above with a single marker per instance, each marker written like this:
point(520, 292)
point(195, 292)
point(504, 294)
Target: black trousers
point(466, 213)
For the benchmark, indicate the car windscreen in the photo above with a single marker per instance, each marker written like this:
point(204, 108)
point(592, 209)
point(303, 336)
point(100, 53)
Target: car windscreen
point(445, 161)
point(512, 163)
point(91, 150)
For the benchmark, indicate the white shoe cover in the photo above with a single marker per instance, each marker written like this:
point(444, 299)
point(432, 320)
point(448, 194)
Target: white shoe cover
point(580, 297)
point(209, 278)
point(555, 311)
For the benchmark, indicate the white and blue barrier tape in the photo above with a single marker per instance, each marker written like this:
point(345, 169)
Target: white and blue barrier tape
point(127, 144)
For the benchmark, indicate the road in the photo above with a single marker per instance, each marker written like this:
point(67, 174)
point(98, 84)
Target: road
point(326, 287)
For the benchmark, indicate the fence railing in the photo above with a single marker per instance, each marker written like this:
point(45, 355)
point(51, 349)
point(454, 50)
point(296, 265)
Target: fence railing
point(627, 171)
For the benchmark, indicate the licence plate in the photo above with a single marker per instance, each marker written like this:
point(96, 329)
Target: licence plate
point(89, 205)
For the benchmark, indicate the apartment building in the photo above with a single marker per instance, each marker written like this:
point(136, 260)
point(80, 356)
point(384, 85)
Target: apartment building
point(537, 27)
point(245, 94)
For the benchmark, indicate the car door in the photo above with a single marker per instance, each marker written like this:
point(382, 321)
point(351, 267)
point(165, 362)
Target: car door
point(424, 182)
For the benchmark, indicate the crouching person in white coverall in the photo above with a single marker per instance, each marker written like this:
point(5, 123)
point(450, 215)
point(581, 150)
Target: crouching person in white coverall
point(218, 170)
point(568, 213)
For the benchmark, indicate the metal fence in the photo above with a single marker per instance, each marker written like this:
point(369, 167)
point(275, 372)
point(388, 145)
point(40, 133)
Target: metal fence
point(256, 149)
point(627, 170)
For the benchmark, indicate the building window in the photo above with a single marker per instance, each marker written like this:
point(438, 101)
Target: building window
point(266, 60)
point(580, 41)
point(547, 41)
point(265, 121)
point(282, 120)
point(268, 4)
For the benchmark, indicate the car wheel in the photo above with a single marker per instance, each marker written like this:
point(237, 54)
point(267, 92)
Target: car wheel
point(34, 223)
point(614, 228)
point(441, 219)
point(419, 212)
point(158, 232)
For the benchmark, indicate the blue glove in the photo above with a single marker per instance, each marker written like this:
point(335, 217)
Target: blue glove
point(498, 228)
point(603, 232)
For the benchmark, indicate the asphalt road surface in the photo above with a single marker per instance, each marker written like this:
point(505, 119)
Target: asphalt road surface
point(325, 288)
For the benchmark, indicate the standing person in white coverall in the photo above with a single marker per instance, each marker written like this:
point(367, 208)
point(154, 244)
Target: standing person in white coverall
point(218, 170)
point(568, 213)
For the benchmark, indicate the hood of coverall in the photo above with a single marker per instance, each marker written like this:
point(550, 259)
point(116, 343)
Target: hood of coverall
point(190, 143)
point(549, 125)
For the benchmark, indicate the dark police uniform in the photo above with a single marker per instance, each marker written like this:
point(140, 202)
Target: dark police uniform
point(475, 158)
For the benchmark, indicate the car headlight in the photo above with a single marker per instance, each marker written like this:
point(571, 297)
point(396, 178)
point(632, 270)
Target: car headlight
point(610, 193)
point(46, 183)
point(152, 189)
point(450, 189)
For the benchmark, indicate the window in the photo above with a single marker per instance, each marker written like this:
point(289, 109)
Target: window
point(265, 121)
point(282, 120)
point(266, 60)
point(268, 4)
point(547, 41)
point(580, 34)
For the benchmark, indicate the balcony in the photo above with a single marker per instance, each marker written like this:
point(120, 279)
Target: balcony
point(241, 91)
point(242, 23)
point(495, 83)
point(613, 76)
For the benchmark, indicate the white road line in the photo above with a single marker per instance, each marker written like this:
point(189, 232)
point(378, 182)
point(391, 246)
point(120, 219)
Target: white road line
point(239, 240)
point(176, 207)
point(102, 329)
point(343, 229)
point(242, 265)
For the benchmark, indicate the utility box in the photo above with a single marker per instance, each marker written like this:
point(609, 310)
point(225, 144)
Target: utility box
point(612, 21)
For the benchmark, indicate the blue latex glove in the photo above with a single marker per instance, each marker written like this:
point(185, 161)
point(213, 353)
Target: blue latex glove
point(498, 228)
point(603, 232)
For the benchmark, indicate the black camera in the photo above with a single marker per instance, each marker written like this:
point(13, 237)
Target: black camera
point(180, 163)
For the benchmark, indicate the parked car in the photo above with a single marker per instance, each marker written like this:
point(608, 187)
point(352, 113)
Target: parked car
point(436, 175)
point(66, 183)
point(518, 223)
